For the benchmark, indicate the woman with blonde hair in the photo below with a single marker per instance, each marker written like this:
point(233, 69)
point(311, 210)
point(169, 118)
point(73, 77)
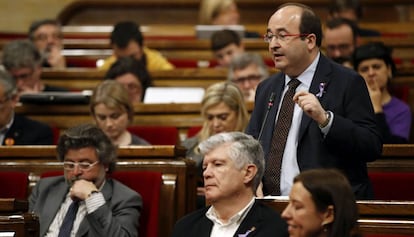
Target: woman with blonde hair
point(218, 12)
point(223, 110)
point(112, 110)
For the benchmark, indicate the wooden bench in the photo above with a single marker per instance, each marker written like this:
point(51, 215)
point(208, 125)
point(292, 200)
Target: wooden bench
point(92, 12)
point(375, 217)
point(15, 218)
point(178, 190)
point(182, 116)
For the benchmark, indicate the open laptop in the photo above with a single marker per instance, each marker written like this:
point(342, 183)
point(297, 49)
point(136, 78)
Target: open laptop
point(162, 95)
point(56, 97)
point(206, 31)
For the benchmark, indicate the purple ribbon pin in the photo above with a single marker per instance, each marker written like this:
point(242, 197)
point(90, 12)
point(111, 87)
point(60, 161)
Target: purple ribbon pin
point(248, 232)
point(321, 89)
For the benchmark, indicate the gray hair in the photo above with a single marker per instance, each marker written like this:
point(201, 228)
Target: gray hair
point(21, 54)
point(243, 150)
point(243, 60)
point(8, 84)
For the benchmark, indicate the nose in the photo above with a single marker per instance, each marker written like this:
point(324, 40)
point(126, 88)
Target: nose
point(206, 172)
point(216, 122)
point(371, 71)
point(286, 212)
point(76, 170)
point(108, 122)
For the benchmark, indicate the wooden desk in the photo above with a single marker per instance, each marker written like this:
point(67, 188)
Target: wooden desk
point(15, 218)
point(178, 191)
point(375, 217)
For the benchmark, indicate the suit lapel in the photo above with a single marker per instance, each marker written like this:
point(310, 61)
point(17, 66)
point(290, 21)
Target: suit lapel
point(107, 193)
point(321, 76)
point(251, 223)
point(54, 201)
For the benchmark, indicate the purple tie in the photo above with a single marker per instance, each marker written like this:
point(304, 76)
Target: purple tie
point(271, 179)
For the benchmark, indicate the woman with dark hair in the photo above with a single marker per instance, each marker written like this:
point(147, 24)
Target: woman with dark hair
point(133, 75)
point(393, 116)
point(321, 203)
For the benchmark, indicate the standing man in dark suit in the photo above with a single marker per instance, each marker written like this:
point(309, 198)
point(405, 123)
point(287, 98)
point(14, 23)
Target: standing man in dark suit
point(17, 129)
point(333, 124)
point(98, 205)
point(233, 168)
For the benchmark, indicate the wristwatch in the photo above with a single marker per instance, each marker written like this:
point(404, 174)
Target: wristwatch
point(328, 118)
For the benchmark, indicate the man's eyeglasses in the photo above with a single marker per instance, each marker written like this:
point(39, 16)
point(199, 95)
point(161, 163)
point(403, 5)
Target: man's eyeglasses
point(44, 37)
point(69, 165)
point(249, 78)
point(23, 76)
point(280, 36)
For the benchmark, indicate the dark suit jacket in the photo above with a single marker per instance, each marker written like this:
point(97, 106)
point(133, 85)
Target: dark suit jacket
point(266, 222)
point(25, 131)
point(118, 217)
point(353, 138)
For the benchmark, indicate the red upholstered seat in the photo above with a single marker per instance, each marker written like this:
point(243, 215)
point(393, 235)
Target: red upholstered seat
point(148, 185)
point(192, 131)
point(392, 185)
point(156, 135)
point(13, 184)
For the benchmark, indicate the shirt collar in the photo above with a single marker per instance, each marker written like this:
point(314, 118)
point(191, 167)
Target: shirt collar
point(237, 218)
point(306, 76)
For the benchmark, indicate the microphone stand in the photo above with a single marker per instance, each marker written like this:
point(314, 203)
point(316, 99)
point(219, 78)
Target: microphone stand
point(269, 106)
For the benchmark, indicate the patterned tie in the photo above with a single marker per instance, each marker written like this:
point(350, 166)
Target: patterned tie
point(67, 223)
point(271, 179)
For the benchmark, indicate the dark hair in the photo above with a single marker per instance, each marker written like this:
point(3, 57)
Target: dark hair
point(337, 22)
point(310, 23)
point(330, 187)
point(223, 38)
point(36, 24)
point(126, 65)
point(343, 5)
point(374, 50)
point(88, 135)
point(124, 32)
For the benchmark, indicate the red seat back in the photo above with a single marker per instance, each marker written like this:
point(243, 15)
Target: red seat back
point(392, 185)
point(13, 184)
point(192, 131)
point(156, 135)
point(148, 184)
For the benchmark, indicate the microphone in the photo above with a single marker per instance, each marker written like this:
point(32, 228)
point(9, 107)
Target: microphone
point(269, 106)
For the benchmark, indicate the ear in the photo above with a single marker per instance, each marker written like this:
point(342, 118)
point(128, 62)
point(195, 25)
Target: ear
point(389, 71)
point(311, 41)
point(15, 100)
point(328, 216)
point(250, 172)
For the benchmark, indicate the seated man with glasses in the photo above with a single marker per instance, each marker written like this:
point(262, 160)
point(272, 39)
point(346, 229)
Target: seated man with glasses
point(246, 71)
point(17, 129)
point(47, 36)
point(23, 61)
point(84, 202)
